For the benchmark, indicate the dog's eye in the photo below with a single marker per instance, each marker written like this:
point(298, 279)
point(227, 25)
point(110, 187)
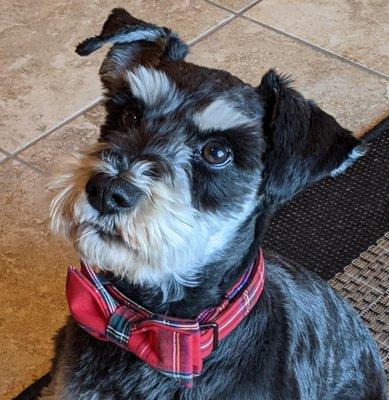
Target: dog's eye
point(130, 117)
point(216, 154)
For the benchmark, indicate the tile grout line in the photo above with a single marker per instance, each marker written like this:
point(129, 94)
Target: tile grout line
point(7, 155)
point(298, 39)
point(5, 152)
point(29, 165)
point(53, 129)
point(223, 23)
point(240, 12)
point(211, 30)
point(221, 7)
point(19, 160)
point(317, 48)
point(94, 103)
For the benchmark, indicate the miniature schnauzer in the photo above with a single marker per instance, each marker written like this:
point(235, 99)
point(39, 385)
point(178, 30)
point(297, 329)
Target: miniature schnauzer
point(170, 208)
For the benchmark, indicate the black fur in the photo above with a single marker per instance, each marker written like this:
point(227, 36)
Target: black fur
point(301, 341)
point(306, 143)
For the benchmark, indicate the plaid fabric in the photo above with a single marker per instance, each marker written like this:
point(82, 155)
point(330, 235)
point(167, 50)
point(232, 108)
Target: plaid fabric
point(176, 347)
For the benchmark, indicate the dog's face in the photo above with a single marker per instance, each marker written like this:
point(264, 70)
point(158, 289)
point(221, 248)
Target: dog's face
point(185, 157)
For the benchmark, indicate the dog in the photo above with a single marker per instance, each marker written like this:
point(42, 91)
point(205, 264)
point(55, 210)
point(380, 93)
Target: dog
point(169, 209)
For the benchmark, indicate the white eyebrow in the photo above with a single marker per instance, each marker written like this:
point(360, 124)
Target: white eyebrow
point(153, 88)
point(220, 114)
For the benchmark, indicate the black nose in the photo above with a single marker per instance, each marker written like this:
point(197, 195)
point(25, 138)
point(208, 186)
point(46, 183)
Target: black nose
point(109, 194)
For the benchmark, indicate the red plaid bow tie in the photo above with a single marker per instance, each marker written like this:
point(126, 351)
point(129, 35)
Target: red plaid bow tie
point(176, 347)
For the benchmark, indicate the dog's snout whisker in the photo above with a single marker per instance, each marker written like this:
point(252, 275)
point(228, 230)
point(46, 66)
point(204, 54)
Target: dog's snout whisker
point(83, 236)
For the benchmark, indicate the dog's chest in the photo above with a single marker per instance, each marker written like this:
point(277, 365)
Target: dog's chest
point(103, 371)
point(144, 383)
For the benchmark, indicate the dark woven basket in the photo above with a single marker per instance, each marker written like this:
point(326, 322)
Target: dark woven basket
point(330, 224)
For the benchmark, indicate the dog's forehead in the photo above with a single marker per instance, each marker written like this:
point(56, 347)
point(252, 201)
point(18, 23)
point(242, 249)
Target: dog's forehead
point(212, 99)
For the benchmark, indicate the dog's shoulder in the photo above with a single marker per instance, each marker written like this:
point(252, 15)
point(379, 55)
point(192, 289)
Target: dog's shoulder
point(305, 297)
point(325, 335)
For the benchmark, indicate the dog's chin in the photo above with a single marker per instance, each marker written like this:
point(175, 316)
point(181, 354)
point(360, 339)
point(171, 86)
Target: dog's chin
point(94, 229)
point(108, 251)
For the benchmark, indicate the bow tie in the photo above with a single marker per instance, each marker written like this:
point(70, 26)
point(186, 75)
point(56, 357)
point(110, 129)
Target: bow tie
point(174, 346)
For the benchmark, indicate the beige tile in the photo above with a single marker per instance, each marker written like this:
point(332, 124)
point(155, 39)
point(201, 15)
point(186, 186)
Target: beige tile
point(75, 135)
point(32, 279)
point(358, 30)
point(234, 5)
point(44, 81)
point(247, 50)
point(19, 12)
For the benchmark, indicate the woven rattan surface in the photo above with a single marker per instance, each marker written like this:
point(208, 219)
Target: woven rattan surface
point(364, 284)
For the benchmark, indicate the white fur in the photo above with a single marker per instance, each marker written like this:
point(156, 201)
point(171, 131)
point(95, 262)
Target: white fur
point(154, 88)
point(150, 34)
point(220, 114)
point(350, 159)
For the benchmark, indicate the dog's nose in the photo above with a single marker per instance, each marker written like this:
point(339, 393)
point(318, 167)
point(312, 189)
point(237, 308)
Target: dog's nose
point(109, 194)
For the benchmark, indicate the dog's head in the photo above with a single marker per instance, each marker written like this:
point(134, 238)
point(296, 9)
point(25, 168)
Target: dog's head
point(186, 156)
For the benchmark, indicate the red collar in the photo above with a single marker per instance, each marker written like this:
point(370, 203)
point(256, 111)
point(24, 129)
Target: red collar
point(174, 346)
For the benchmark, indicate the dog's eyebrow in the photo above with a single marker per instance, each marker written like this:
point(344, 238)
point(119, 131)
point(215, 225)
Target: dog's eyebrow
point(154, 88)
point(220, 115)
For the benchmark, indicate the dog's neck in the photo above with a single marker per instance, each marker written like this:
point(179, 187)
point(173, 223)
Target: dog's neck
point(214, 279)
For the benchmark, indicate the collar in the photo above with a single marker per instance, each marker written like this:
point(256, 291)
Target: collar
point(174, 346)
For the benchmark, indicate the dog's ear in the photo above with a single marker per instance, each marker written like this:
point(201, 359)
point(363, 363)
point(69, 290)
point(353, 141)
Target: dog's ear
point(135, 43)
point(304, 144)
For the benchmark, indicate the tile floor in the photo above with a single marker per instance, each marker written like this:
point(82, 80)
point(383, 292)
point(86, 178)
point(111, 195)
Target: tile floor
point(337, 52)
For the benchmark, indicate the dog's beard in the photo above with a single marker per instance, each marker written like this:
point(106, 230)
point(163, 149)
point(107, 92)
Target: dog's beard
point(163, 240)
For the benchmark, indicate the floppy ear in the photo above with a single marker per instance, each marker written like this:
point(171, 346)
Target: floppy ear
point(135, 43)
point(304, 144)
